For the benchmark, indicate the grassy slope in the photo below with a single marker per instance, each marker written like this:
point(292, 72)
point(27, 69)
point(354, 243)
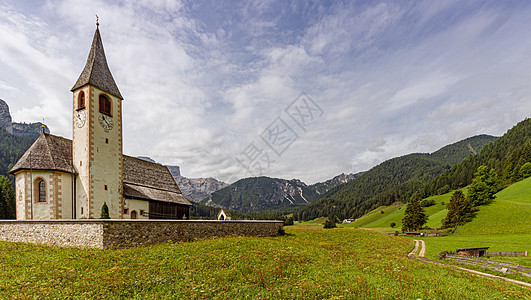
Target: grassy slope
point(509, 213)
point(380, 222)
point(504, 225)
point(305, 264)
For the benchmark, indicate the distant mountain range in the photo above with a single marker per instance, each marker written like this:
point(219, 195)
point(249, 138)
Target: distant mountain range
point(265, 193)
point(194, 189)
point(255, 193)
point(32, 130)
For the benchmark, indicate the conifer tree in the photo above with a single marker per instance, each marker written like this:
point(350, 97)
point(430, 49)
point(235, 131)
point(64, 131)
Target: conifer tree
point(7, 199)
point(459, 211)
point(104, 211)
point(415, 217)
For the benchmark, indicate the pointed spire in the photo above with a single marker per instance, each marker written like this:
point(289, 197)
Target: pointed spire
point(96, 71)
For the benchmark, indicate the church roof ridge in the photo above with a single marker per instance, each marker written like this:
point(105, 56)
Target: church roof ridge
point(96, 71)
point(47, 152)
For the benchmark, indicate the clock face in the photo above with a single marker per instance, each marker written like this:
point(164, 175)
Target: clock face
point(80, 118)
point(106, 122)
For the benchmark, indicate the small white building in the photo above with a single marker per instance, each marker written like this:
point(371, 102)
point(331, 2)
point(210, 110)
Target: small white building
point(224, 214)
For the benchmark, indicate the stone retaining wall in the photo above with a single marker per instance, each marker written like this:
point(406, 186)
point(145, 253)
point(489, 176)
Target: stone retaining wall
point(125, 233)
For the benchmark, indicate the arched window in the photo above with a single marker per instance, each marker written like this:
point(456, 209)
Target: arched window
point(81, 100)
point(105, 105)
point(42, 191)
point(133, 214)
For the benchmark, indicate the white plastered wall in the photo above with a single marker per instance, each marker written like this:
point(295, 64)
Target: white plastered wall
point(136, 205)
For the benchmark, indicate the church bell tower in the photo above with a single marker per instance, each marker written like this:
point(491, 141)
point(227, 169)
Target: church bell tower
point(97, 139)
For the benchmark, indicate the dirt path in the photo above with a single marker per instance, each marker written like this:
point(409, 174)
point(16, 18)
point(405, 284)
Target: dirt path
point(424, 259)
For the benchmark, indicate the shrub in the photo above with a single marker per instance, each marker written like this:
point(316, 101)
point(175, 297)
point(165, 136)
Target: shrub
point(443, 254)
point(393, 224)
point(442, 203)
point(329, 224)
point(396, 232)
point(427, 202)
point(382, 212)
point(288, 221)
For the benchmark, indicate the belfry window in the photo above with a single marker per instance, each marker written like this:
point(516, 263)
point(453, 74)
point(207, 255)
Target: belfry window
point(42, 191)
point(81, 100)
point(105, 105)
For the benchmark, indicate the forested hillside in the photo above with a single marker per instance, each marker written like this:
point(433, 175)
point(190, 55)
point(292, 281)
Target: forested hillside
point(506, 155)
point(394, 180)
point(11, 149)
point(265, 194)
point(262, 193)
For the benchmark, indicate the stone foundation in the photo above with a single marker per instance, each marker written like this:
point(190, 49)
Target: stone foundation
point(104, 234)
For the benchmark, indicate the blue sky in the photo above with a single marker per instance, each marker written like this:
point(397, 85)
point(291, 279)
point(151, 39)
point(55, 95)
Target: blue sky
point(208, 84)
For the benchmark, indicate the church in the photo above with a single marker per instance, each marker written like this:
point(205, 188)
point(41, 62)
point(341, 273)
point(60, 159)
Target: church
point(59, 178)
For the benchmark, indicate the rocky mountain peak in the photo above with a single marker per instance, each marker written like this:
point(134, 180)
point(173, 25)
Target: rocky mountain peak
point(5, 117)
point(32, 130)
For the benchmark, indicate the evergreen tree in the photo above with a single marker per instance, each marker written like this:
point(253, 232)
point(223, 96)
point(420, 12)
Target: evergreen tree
point(7, 199)
point(104, 211)
point(459, 211)
point(415, 217)
point(525, 170)
point(484, 186)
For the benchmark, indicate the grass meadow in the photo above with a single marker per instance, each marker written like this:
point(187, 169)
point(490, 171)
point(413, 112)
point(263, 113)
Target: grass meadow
point(304, 264)
point(376, 220)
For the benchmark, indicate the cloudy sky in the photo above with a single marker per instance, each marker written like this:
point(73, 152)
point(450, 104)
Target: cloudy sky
point(290, 89)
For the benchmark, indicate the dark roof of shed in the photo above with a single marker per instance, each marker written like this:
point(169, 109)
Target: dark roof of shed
point(96, 71)
point(48, 152)
point(142, 179)
point(469, 249)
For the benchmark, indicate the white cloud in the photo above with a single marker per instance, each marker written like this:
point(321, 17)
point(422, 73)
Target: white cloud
point(201, 81)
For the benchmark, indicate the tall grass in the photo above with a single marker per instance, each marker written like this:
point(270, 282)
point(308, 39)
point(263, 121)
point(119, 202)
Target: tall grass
point(305, 264)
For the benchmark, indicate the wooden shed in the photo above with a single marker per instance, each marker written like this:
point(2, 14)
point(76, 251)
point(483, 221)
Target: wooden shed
point(415, 233)
point(472, 251)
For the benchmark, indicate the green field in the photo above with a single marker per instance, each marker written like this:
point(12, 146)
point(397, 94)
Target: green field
point(509, 213)
point(304, 264)
point(504, 225)
point(376, 220)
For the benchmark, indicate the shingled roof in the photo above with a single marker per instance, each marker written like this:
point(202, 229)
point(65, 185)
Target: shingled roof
point(150, 181)
point(96, 71)
point(48, 152)
point(142, 179)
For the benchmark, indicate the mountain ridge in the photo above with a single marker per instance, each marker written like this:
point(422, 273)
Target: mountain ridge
point(396, 179)
point(265, 193)
point(31, 130)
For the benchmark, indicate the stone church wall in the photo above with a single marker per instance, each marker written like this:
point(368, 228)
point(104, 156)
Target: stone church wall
point(126, 233)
